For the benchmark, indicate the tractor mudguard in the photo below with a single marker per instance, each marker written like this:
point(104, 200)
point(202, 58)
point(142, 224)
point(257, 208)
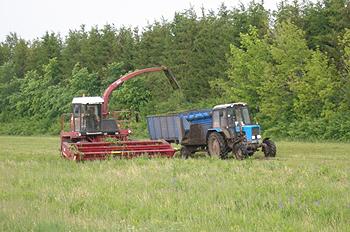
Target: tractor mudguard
point(226, 133)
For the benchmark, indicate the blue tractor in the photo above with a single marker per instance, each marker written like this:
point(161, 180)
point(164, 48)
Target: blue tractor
point(224, 130)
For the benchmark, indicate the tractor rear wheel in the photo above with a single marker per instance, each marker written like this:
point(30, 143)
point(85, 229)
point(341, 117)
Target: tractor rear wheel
point(269, 148)
point(217, 146)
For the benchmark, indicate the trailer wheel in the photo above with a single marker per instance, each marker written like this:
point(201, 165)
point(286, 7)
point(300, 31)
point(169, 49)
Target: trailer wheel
point(239, 153)
point(217, 146)
point(184, 152)
point(269, 148)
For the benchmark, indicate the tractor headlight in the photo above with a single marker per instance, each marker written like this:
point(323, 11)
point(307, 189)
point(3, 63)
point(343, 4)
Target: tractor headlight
point(253, 137)
point(258, 136)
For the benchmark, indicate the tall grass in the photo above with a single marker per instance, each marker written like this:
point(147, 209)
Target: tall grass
point(305, 188)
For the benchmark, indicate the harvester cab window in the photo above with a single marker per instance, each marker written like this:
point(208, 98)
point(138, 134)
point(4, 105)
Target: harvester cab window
point(76, 110)
point(83, 118)
point(91, 115)
point(76, 114)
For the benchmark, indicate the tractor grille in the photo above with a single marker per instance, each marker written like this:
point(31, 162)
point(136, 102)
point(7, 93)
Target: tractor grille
point(255, 131)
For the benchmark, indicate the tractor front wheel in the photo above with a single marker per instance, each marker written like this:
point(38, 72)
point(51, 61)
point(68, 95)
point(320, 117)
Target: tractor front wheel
point(269, 148)
point(217, 146)
point(239, 152)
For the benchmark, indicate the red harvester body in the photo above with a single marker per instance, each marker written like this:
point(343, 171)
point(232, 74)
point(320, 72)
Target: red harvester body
point(93, 136)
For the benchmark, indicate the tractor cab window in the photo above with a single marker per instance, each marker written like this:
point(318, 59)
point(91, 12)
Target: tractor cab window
point(219, 118)
point(223, 118)
point(246, 116)
point(231, 117)
point(216, 118)
point(242, 115)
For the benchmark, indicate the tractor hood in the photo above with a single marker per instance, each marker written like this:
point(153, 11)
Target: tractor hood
point(252, 132)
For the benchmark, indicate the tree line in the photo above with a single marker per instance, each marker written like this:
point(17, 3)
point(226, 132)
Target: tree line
point(292, 66)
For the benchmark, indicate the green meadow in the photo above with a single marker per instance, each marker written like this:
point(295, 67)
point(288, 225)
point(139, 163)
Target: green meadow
point(305, 188)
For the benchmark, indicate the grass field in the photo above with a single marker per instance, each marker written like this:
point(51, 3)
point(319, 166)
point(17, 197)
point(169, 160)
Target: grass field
point(307, 187)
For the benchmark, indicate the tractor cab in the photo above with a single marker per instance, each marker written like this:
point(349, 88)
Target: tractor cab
point(86, 116)
point(236, 118)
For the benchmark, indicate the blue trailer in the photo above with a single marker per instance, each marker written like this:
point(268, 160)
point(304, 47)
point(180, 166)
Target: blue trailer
point(220, 130)
point(173, 127)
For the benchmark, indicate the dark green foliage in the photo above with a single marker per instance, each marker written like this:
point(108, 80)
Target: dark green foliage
point(249, 66)
point(289, 54)
point(44, 49)
point(291, 66)
point(84, 83)
point(345, 73)
point(8, 89)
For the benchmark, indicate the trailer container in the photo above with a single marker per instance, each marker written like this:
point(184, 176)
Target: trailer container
point(172, 127)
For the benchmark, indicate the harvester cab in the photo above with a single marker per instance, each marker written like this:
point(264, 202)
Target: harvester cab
point(87, 118)
point(87, 114)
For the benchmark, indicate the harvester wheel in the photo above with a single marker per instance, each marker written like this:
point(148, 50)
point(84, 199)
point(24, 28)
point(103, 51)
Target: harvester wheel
point(217, 146)
point(238, 153)
point(269, 148)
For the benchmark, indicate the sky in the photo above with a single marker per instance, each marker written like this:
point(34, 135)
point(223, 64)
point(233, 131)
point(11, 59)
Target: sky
point(30, 19)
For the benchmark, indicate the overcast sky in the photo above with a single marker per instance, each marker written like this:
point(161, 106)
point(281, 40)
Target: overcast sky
point(32, 18)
